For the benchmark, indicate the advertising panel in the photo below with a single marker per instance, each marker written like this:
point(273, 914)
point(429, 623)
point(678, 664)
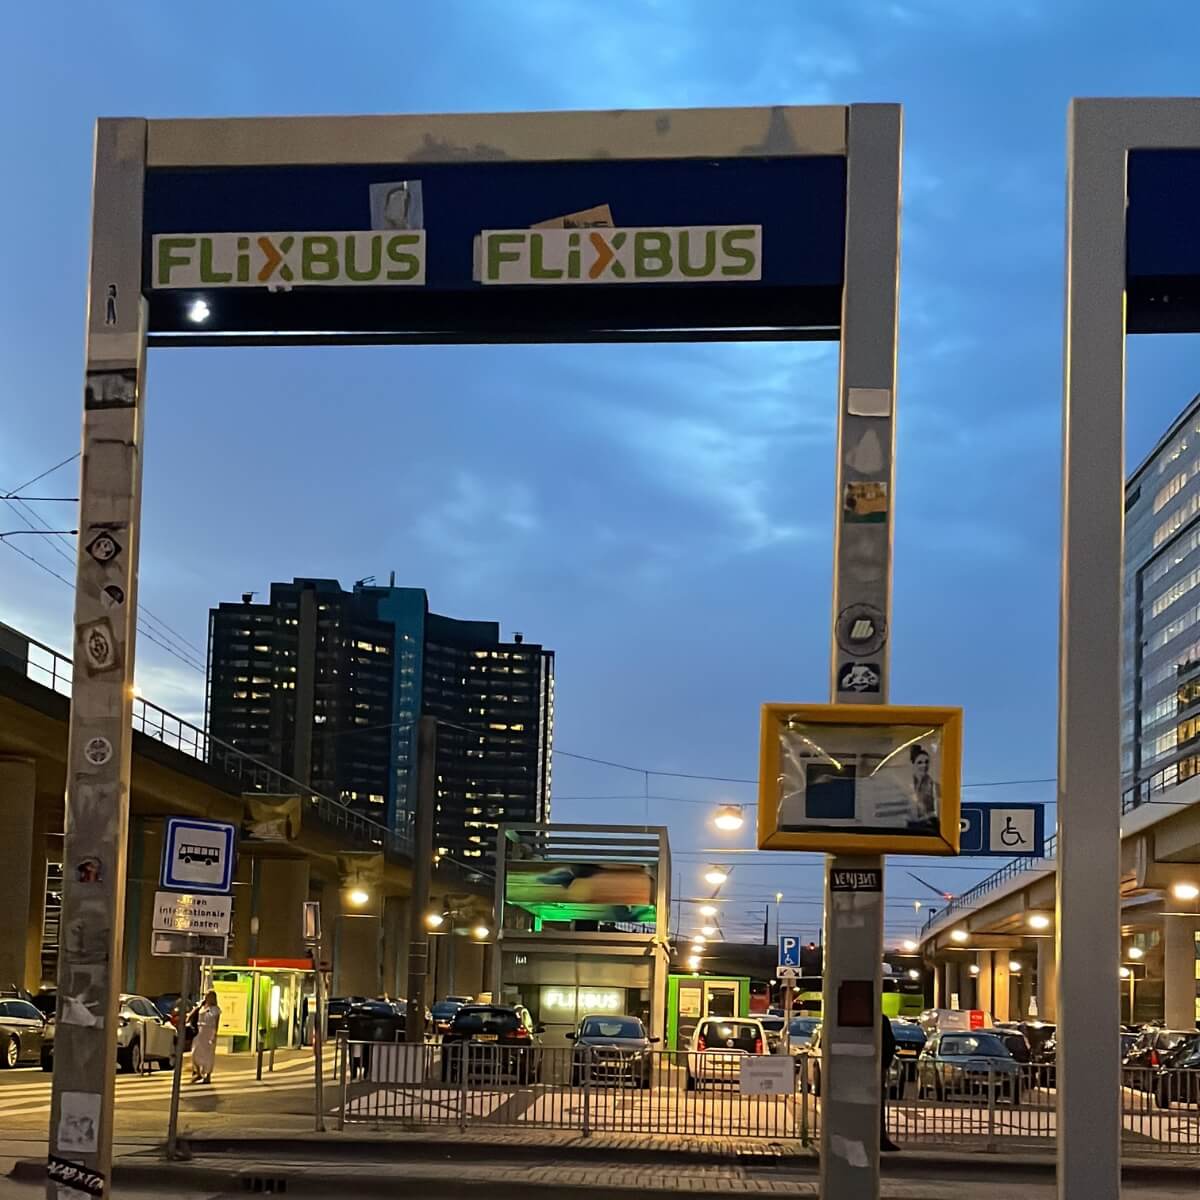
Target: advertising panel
point(612, 893)
point(860, 777)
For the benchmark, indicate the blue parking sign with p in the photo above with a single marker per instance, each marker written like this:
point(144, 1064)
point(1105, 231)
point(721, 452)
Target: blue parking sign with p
point(789, 951)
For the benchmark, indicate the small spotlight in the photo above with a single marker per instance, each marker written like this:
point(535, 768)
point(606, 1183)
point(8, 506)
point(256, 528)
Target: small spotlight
point(709, 931)
point(358, 897)
point(708, 910)
point(1185, 891)
point(1136, 952)
point(1014, 966)
point(909, 946)
point(480, 933)
point(1039, 921)
point(694, 962)
point(716, 876)
point(958, 935)
point(973, 969)
point(435, 920)
point(913, 973)
point(198, 311)
point(1125, 972)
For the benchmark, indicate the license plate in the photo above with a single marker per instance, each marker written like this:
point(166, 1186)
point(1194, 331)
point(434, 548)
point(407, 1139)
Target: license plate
point(486, 1037)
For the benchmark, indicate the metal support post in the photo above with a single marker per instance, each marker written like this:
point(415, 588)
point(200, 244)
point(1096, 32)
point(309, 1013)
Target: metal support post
point(319, 1037)
point(418, 945)
point(1089, 712)
point(185, 987)
point(100, 732)
point(862, 572)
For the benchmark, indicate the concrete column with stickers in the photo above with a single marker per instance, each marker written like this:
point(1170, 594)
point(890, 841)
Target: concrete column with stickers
point(100, 733)
point(862, 600)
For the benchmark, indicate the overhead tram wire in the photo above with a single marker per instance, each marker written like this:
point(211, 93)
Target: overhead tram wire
point(185, 650)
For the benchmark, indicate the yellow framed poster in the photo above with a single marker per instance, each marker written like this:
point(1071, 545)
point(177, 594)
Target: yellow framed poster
point(866, 778)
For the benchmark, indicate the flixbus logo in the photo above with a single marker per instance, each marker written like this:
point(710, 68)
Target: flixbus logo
point(285, 260)
point(675, 254)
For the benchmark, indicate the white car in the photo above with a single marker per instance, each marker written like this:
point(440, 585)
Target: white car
point(718, 1046)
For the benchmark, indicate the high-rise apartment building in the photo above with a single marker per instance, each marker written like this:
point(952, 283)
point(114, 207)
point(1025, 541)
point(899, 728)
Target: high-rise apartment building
point(328, 685)
point(1160, 717)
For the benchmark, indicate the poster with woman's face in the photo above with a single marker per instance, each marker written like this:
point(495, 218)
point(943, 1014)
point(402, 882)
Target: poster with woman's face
point(860, 778)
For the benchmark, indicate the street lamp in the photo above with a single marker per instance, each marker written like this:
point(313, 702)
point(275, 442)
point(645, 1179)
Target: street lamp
point(435, 920)
point(694, 962)
point(909, 946)
point(1136, 952)
point(913, 973)
point(1125, 972)
point(708, 910)
point(973, 969)
point(716, 876)
point(729, 818)
point(1014, 966)
point(709, 931)
point(481, 933)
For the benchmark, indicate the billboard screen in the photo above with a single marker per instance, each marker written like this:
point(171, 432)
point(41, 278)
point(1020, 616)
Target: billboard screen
point(610, 893)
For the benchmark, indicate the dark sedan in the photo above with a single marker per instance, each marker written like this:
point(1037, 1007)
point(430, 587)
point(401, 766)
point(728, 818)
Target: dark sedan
point(22, 1033)
point(612, 1050)
point(1149, 1053)
point(1177, 1081)
point(497, 1042)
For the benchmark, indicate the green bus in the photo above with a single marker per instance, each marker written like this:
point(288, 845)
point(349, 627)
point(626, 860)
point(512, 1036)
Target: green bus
point(902, 997)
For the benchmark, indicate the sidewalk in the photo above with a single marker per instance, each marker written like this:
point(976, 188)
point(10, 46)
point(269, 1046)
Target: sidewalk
point(449, 1163)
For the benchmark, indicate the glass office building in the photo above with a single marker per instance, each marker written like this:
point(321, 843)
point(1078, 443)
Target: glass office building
point(1160, 717)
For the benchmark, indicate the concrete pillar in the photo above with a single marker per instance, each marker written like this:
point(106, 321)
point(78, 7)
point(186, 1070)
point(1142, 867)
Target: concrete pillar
point(953, 985)
point(984, 997)
point(283, 889)
point(467, 977)
point(938, 987)
point(395, 945)
point(1179, 971)
point(1025, 990)
point(970, 986)
point(144, 972)
point(442, 955)
point(18, 788)
point(1047, 979)
point(242, 943)
point(1001, 986)
point(356, 965)
point(37, 904)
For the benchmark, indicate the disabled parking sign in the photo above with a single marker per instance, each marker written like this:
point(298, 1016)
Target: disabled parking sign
point(198, 855)
point(1002, 829)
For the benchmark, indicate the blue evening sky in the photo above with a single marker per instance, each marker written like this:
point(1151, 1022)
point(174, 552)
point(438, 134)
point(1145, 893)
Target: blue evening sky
point(660, 516)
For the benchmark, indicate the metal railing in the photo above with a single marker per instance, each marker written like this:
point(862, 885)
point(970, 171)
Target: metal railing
point(687, 1094)
point(45, 665)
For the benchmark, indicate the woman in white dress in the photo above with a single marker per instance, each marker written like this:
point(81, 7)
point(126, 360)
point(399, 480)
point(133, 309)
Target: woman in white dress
point(204, 1047)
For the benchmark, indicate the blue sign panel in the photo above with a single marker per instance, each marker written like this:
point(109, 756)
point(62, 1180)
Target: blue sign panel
point(1163, 242)
point(198, 856)
point(1002, 829)
point(798, 202)
point(789, 951)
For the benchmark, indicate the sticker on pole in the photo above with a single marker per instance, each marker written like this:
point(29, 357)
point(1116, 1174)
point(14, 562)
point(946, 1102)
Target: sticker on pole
point(860, 778)
point(198, 855)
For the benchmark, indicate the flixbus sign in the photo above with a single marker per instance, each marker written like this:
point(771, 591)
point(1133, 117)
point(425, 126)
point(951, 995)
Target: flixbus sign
point(284, 260)
point(671, 254)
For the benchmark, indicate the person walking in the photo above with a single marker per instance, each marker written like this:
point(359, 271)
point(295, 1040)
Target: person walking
point(207, 1019)
point(887, 1052)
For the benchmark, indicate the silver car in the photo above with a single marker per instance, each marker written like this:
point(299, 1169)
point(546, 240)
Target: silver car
point(143, 1035)
point(967, 1064)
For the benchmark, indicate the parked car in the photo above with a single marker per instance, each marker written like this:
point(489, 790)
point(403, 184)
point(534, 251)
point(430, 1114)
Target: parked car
point(336, 1010)
point(45, 1002)
point(1177, 1081)
point(22, 1032)
point(772, 1024)
point(910, 1041)
point(967, 1064)
point(1015, 1041)
point(613, 1050)
point(719, 1044)
point(812, 1067)
point(443, 1012)
point(496, 1042)
point(143, 1035)
point(800, 1033)
point(1149, 1053)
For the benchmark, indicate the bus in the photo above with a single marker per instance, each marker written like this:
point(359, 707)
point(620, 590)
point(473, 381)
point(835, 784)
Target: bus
point(902, 996)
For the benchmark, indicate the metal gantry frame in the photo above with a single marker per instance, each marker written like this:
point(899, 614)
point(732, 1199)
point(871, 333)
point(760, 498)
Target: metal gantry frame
point(1101, 134)
point(118, 331)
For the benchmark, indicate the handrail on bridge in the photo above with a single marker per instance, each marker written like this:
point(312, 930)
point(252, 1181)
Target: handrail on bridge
point(45, 665)
point(1133, 797)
